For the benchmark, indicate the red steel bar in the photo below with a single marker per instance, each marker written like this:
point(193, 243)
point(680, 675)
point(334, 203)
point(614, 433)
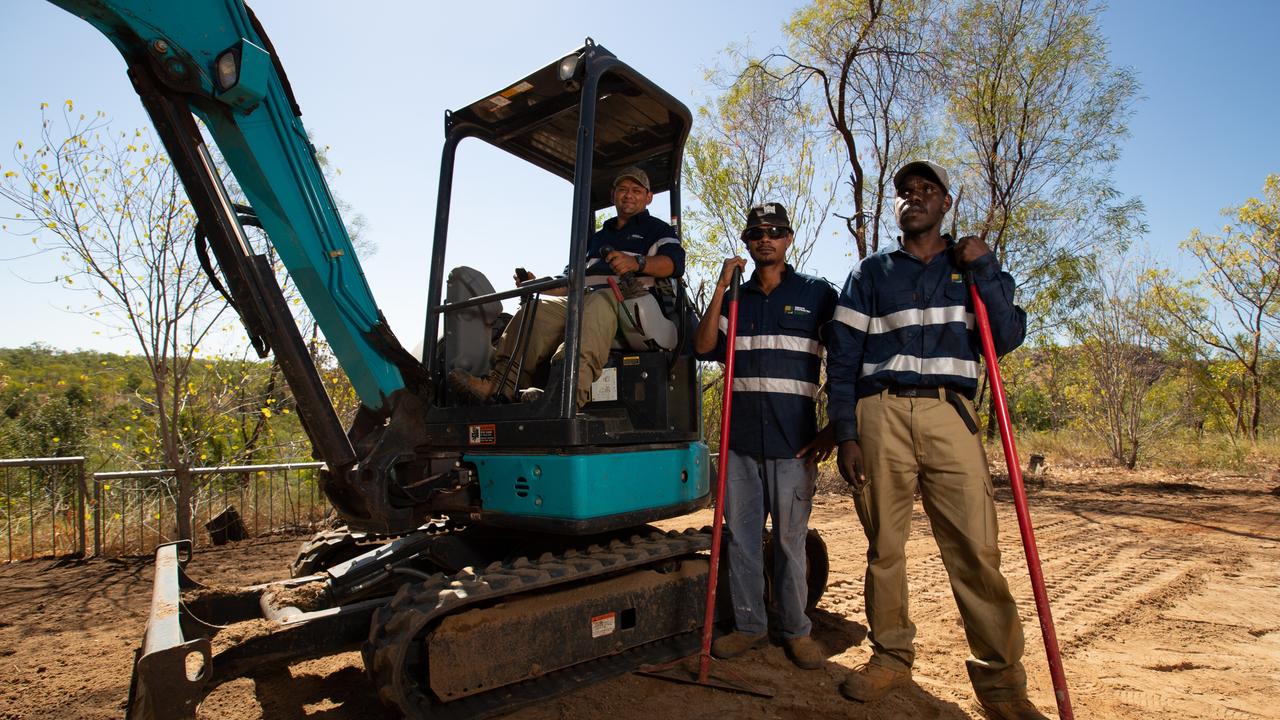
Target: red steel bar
point(1020, 503)
point(717, 526)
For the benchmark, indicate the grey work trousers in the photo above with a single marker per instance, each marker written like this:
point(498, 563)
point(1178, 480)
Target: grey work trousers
point(783, 489)
point(923, 441)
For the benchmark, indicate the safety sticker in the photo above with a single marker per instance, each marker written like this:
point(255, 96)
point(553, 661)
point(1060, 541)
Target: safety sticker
point(516, 89)
point(482, 434)
point(602, 625)
point(605, 388)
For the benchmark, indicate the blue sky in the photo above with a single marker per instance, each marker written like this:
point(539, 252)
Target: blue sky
point(375, 78)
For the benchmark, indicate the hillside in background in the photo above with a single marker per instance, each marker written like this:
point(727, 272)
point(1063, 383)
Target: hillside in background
point(101, 405)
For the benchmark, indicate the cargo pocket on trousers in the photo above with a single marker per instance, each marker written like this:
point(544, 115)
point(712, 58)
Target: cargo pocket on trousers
point(806, 489)
point(990, 530)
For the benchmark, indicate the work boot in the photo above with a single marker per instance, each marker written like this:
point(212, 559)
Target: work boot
point(805, 652)
point(736, 643)
point(1011, 709)
point(470, 387)
point(870, 681)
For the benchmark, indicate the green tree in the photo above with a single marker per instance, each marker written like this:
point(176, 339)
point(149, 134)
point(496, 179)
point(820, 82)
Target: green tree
point(1123, 360)
point(748, 150)
point(871, 67)
point(112, 205)
point(1038, 111)
point(1232, 310)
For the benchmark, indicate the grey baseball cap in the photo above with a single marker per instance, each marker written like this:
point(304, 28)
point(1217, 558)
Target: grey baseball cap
point(925, 168)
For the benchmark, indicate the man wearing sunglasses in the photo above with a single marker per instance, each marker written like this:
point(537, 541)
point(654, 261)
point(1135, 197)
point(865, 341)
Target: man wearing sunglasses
point(774, 444)
point(902, 372)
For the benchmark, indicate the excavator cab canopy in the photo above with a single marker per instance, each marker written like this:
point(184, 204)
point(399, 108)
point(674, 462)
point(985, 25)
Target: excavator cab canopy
point(633, 453)
point(584, 117)
point(537, 119)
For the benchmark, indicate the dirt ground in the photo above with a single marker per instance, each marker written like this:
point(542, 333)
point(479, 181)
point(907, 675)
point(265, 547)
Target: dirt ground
point(1165, 592)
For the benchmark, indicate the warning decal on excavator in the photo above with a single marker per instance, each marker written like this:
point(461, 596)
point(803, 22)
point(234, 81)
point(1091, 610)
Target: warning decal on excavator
point(482, 434)
point(605, 388)
point(602, 625)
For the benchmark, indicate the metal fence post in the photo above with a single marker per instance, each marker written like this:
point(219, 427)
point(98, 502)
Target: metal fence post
point(81, 491)
point(97, 517)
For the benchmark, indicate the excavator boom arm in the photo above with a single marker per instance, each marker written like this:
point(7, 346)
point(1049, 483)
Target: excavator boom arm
point(211, 59)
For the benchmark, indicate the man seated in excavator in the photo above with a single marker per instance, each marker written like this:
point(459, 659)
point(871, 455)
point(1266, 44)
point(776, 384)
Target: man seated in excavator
point(633, 248)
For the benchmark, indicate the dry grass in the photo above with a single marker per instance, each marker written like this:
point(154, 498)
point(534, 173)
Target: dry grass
point(1176, 454)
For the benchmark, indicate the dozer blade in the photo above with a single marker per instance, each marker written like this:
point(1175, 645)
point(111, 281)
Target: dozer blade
point(175, 668)
point(169, 672)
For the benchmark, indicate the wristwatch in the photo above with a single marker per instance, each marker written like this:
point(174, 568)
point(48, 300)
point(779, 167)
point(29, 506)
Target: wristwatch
point(642, 260)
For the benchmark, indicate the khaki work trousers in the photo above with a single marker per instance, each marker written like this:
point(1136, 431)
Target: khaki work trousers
point(546, 342)
point(910, 442)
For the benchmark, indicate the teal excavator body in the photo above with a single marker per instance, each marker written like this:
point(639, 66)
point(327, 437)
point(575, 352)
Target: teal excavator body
point(448, 509)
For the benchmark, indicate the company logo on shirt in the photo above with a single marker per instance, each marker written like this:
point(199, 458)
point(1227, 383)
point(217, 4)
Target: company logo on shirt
point(955, 277)
point(796, 310)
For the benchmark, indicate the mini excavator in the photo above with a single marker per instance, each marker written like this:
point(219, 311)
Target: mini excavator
point(523, 526)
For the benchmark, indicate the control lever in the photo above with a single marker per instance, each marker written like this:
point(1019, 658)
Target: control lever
point(631, 286)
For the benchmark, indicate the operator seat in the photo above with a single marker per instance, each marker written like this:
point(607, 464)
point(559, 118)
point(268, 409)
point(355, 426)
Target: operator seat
point(469, 333)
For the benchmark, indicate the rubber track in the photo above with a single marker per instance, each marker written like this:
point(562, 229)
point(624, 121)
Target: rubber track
point(329, 542)
point(398, 631)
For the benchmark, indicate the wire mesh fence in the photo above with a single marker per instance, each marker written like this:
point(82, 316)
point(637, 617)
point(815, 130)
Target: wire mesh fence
point(44, 504)
point(50, 508)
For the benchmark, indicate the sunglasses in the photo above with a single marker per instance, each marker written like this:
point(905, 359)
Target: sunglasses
point(756, 233)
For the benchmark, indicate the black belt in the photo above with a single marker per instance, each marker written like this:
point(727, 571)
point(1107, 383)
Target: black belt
point(916, 392)
point(951, 396)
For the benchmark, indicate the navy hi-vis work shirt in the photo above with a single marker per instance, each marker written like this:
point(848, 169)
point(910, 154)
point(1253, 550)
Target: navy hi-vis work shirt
point(776, 365)
point(643, 234)
point(902, 323)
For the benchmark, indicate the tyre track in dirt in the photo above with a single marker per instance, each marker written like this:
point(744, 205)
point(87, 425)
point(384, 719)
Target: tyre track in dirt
point(1165, 604)
point(1135, 607)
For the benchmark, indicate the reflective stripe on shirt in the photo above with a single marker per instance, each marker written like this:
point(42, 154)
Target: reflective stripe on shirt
point(778, 342)
point(924, 366)
point(852, 318)
point(903, 318)
point(775, 385)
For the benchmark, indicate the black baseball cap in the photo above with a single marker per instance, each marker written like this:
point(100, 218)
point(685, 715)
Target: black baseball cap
point(767, 214)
